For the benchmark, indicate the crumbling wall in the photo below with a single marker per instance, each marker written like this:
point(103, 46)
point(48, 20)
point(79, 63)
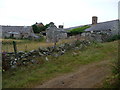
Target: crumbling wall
point(99, 36)
point(10, 60)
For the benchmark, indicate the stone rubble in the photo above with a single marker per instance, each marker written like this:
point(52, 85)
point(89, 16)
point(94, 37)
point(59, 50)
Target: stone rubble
point(26, 58)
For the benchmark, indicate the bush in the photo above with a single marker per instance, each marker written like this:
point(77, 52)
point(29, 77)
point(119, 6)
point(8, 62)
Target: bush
point(78, 30)
point(38, 29)
point(35, 29)
point(113, 38)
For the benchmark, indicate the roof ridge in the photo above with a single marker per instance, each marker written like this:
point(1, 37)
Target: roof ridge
point(14, 26)
point(91, 24)
point(108, 21)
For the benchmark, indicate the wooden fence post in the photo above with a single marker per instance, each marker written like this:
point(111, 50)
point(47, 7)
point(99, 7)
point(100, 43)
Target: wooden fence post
point(15, 48)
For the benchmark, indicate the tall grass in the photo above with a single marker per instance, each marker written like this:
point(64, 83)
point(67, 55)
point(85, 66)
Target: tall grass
point(113, 81)
point(32, 75)
point(28, 45)
point(22, 45)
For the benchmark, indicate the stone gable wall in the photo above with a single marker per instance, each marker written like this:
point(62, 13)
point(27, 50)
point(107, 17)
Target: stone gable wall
point(54, 34)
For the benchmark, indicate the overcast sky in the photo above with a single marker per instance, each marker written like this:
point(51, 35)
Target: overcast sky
point(67, 12)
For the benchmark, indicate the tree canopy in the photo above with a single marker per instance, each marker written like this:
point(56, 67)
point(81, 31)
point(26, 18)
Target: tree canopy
point(38, 29)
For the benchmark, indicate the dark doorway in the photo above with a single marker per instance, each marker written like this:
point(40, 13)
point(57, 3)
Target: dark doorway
point(12, 35)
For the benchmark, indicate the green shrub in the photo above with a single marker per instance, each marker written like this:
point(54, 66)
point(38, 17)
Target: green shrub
point(35, 28)
point(113, 38)
point(78, 30)
point(38, 29)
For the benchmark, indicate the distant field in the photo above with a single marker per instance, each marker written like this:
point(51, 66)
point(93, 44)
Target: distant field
point(27, 45)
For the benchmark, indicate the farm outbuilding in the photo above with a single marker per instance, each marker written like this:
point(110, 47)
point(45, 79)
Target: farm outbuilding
point(17, 32)
point(110, 27)
point(102, 31)
point(99, 31)
point(54, 34)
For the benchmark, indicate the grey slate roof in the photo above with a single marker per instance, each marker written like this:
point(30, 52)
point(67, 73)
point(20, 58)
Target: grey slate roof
point(25, 30)
point(67, 29)
point(104, 26)
point(19, 29)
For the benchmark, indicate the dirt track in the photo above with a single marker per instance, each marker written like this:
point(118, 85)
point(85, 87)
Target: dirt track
point(87, 76)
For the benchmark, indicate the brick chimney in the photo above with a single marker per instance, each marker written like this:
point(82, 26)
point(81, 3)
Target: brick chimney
point(94, 20)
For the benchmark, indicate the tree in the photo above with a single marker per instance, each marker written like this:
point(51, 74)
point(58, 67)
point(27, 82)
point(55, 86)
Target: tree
point(38, 29)
point(35, 28)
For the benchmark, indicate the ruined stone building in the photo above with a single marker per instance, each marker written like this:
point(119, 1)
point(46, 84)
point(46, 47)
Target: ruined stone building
point(103, 30)
point(17, 32)
point(54, 34)
point(100, 31)
point(103, 27)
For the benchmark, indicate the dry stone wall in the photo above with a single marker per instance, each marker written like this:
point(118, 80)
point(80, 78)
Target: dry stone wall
point(10, 61)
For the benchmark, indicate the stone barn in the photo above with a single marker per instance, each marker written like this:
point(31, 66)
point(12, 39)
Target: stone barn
point(54, 34)
point(17, 32)
point(101, 31)
point(104, 27)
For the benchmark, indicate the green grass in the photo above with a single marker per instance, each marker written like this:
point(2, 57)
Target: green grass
point(33, 75)
point(113, 81)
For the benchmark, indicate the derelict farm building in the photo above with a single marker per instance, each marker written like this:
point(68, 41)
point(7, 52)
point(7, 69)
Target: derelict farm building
point(17, 32)
point(54, 34)
point(105, 27)
point(100, 31)
point(103, 30)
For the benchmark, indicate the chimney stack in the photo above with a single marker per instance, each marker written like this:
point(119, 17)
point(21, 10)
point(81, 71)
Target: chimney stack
point(60, 26)
point(94, 20)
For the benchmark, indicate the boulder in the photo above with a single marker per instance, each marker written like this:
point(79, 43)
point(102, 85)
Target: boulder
point(46, 58)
